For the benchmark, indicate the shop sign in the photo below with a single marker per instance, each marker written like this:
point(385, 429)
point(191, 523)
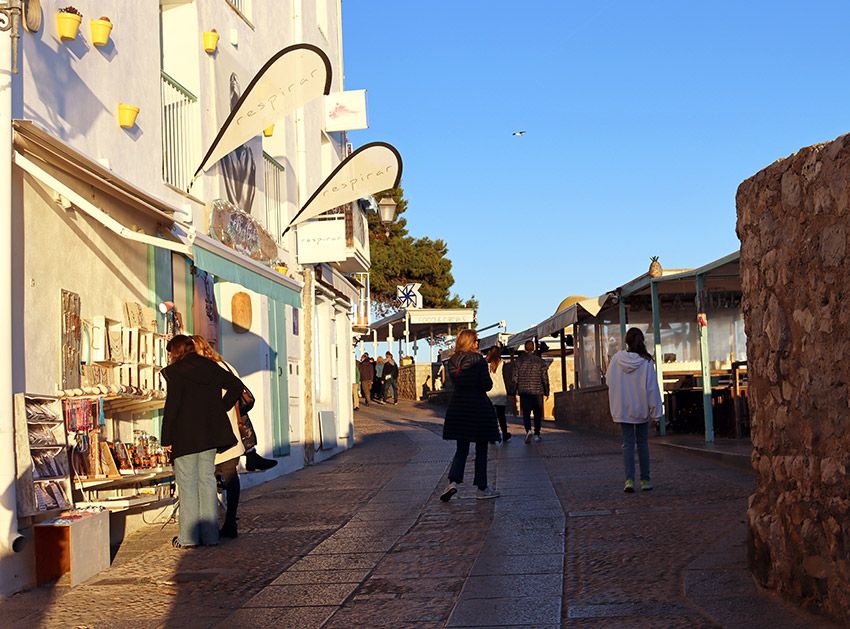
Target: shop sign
point(345, 111)
point(241, 231)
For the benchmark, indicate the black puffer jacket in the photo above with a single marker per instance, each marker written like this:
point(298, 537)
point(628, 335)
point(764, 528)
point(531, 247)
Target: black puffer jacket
point(530, 374)
point(470, 416)
point(195, 416)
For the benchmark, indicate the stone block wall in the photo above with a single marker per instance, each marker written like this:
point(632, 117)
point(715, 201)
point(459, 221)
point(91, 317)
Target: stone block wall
point(793, 222)
point(586, 409)
point(410, 380)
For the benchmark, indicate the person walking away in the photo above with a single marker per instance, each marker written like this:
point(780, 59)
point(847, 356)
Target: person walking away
point(367, 375)
point(390, 378)
point(194, 427)
point(499, 393)
point(635, 401)
point(378, 384)
point(530, 376)
point(470, 416)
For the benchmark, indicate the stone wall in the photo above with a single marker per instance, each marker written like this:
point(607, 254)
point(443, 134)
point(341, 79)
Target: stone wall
point(411, 379)
point(585, 410)
point(793, 222)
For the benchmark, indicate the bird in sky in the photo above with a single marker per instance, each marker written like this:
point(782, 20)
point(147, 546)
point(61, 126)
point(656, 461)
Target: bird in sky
point(518, 133)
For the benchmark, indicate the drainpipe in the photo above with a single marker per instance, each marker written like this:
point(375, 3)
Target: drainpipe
point(10, 539)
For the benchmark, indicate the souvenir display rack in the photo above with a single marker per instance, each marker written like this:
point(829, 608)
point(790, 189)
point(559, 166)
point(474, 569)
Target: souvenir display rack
point(44, 472)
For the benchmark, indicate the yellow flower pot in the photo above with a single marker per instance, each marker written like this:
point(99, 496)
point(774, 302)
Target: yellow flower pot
point(100, 30)
point(210, 41)
point(282, 269)
point(127, 115)
point(68, 25)
point(269, 131)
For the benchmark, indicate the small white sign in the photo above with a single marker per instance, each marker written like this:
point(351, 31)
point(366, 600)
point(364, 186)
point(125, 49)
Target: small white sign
point(345, 111)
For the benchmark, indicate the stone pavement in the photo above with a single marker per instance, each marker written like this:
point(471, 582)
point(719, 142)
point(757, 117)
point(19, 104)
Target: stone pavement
point(362, 540)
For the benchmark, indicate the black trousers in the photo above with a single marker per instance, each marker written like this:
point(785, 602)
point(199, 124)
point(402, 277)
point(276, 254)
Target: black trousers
point(459, 463)
point(531, 403)
point(503, 421)
point(230, 482)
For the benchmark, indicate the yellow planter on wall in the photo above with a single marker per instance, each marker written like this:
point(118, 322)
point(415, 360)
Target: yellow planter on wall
point(210, 41)
point(100, 30)
point(68, 25)
point(269, 131)
point(127, 115)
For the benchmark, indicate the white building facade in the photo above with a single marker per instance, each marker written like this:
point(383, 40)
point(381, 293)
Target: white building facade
point(107, 224)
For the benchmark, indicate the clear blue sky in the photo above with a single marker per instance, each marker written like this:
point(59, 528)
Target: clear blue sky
point(642, 118)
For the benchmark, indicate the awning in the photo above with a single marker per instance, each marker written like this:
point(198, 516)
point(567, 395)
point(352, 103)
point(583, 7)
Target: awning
point(36, 143)
point(92, 210)
point(422, 323)
point(520, 338)
point(568, 316)
point(225, 263)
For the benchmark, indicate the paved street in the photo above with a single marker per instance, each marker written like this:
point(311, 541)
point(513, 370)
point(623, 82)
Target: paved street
point(363, 540)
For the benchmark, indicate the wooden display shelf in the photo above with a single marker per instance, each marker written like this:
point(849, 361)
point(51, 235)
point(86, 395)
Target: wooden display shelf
point(139, 476)
point(121, 503)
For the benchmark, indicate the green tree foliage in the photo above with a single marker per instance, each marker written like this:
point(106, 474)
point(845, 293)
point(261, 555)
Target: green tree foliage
point(399, 259)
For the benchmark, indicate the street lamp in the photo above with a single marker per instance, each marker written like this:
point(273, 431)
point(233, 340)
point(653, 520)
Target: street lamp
point(386, 210)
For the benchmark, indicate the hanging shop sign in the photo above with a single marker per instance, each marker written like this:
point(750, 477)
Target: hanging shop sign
point(345, 111)
point(372, 168)
point(289, 80)
point(241, 231)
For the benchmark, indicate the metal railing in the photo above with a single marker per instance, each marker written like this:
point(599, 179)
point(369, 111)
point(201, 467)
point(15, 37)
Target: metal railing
point(273, 177)
point(242, 6)
point(180, 133)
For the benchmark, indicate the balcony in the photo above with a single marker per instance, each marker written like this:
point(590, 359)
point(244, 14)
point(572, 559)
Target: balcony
point(180, 133)
point(339, 237)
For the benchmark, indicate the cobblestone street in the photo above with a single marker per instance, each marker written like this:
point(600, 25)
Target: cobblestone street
point(363, 540)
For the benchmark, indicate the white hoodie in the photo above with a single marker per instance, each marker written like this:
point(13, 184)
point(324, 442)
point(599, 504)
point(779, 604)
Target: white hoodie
point(633, 389)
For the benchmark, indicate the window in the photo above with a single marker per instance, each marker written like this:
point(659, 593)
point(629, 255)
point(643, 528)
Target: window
point(242, 7)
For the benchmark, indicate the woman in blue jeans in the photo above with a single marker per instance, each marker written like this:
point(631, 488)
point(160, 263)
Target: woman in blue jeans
point(635, 400)
point(194, 428)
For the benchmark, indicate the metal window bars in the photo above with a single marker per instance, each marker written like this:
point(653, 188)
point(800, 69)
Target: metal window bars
point(180, 133)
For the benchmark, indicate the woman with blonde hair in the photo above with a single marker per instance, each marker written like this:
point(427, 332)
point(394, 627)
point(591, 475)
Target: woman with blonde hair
point(470, 416)
point(227, 462)
point(194, 428)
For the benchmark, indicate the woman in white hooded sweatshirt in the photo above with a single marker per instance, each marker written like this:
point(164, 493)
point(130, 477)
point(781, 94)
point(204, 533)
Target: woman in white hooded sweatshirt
point(635, 401)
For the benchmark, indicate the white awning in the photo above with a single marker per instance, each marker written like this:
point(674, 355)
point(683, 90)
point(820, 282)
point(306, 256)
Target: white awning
point(93, 211)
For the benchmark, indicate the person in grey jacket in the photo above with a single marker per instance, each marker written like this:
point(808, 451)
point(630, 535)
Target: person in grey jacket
point(530, 377)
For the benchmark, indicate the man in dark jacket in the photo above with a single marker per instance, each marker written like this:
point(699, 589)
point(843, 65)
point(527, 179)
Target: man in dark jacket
point(390, 376)
point(530, 379)
point(367, 375)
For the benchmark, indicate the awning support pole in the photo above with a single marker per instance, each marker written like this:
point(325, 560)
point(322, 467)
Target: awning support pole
point(563, 361)
point(659, 358)
point(623, 322)
point(705, 364)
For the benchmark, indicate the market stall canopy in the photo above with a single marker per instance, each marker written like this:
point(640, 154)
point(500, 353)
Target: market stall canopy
point(572, 313)
point(487, 342)
point(422, 323)
point(721, 274)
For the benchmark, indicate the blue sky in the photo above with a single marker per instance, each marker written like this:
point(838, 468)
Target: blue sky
point(642, 118)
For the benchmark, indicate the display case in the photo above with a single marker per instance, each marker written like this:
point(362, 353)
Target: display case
point(43, 468)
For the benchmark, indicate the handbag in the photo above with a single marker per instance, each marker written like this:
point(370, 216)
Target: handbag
point(246, 431)
point(246, 401)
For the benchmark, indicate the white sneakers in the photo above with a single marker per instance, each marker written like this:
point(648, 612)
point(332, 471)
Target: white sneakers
point(486, 493)
point(450, 491)
point(537, 439)
point(528, 436)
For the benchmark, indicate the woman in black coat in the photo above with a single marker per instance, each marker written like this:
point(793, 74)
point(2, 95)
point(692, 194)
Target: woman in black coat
point(470, 416)
point(194, 427)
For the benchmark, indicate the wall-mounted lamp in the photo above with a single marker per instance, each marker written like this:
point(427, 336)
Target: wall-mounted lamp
point(166, 306)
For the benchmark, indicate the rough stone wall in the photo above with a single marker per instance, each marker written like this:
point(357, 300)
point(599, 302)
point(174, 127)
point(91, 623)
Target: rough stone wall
point(410, 380)
point(585, 410)
point(793, 222)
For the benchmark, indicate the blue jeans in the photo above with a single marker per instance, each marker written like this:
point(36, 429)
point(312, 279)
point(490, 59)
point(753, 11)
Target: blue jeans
point(195, 476)
point(390, 384)
point(636, 434)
